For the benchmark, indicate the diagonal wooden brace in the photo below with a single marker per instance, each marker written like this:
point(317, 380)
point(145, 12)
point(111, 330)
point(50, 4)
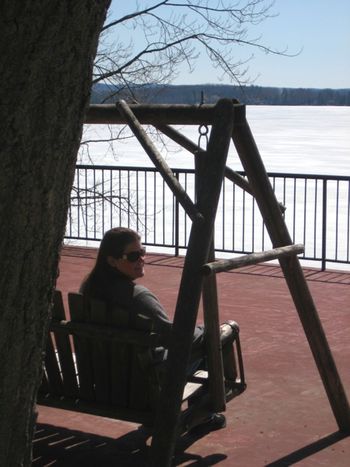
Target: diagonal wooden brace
point(158, 161)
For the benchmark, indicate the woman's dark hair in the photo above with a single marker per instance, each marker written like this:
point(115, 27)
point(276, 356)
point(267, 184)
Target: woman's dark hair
point(113, 244)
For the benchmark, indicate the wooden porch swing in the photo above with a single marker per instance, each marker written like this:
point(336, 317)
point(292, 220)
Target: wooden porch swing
point(228, 121)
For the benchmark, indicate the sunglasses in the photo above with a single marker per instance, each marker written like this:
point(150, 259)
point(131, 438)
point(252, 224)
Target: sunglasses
point(134, 256)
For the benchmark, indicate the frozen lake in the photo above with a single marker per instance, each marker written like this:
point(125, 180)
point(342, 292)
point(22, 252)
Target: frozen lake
point(292, 140)
point(299, 139)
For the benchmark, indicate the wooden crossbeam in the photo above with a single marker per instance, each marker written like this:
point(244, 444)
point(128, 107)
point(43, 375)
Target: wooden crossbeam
point(250, 259)
point(153, 114)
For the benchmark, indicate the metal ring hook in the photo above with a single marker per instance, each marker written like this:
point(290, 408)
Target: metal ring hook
point(203, 131)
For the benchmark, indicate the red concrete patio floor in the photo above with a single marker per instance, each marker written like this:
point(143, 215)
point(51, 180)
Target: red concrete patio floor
point(282, 419)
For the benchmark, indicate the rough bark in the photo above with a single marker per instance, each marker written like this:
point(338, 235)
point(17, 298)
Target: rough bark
point(47, 50)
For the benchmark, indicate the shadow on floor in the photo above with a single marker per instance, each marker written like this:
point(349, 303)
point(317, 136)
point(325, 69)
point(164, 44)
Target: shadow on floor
point(56, 446)
point(308, 450)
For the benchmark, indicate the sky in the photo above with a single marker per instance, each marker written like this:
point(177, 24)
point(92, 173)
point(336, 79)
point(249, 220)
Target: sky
point(321, 29)
point(318, 29)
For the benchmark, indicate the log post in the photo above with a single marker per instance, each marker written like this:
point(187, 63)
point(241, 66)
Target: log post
point(168, 410)
point(212, 341)
point(272, 215)
point(211, 314)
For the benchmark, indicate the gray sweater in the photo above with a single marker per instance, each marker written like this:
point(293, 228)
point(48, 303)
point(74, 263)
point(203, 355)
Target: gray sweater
point(141, 306)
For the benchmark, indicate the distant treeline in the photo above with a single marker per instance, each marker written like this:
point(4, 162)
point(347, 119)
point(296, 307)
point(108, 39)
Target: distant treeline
point(211, 93)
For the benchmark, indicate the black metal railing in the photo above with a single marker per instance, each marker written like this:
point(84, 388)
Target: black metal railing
point(317, 211)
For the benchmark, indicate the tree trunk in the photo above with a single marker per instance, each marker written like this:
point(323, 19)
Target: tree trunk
point(47, 50)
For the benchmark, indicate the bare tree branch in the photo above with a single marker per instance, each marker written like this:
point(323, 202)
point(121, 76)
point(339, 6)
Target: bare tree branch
point(168, 35)
point(174, 33)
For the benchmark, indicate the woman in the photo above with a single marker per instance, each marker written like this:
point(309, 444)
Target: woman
point(119, 262)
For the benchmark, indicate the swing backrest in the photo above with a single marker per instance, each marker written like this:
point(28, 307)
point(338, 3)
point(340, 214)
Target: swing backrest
point(103, 369)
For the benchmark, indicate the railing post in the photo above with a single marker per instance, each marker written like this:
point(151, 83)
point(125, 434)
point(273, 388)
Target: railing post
point(177, 221)
point(324, 224)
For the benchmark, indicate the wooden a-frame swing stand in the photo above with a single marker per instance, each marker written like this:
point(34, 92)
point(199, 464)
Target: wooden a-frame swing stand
point(228, 121)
